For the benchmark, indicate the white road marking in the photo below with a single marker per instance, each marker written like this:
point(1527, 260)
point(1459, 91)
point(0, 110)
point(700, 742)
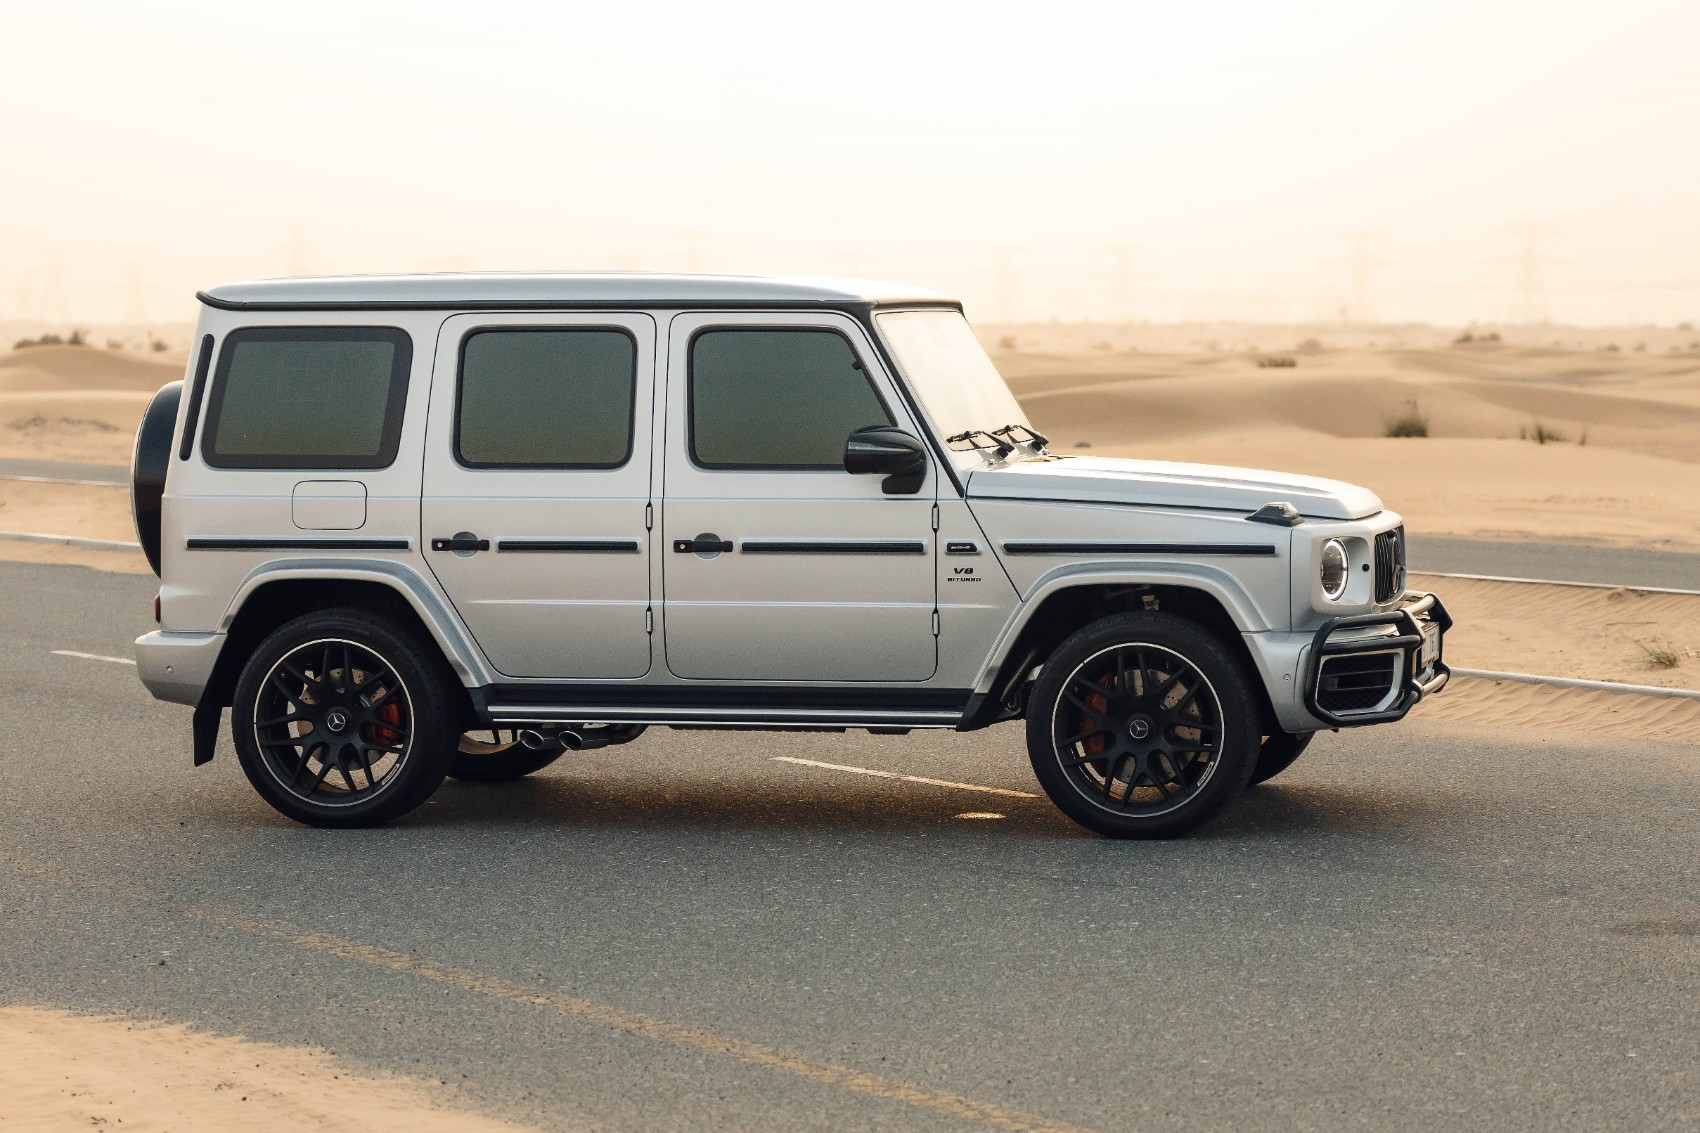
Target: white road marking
point(906, 778)
point(92, 656)
point(981, 814)
point(62, 480)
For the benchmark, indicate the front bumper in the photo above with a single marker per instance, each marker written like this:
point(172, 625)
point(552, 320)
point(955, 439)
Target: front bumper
point(1372, 668)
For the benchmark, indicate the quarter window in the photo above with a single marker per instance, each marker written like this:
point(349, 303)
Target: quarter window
point(777, 398)
point(308, 397)
point(546, 397)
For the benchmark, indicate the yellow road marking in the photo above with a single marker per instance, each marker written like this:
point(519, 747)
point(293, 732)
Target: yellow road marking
point(906, 778)
point(629, 1022)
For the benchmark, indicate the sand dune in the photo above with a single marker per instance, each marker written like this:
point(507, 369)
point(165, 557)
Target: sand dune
point(63, 1072)
point(56, 368)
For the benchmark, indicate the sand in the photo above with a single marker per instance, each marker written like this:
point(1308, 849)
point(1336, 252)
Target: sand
point(1524, 708)
point(1626, 473)
point(77, 403)
point(64, 1072)
point(89, 511)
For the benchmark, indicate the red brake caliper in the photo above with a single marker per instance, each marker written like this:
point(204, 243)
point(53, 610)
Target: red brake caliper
point(1094, 744)
point(389, 714)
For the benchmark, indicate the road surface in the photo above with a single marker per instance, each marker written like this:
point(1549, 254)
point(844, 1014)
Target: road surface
point(1417, 927)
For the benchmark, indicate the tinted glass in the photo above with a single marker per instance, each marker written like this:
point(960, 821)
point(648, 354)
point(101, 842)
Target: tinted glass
point(777, 398)
point(548, 398)
point(308, 397)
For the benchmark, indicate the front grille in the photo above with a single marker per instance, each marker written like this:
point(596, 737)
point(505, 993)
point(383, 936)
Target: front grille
point(1356, 683)
point(1390, 565)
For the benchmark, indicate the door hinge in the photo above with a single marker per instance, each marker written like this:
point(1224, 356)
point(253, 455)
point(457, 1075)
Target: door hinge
point(935, 623)
point(649, 620)
point(935, 517)
point(649, 517)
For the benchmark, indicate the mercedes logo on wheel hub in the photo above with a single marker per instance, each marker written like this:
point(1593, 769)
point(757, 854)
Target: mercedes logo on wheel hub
point(1139, 727)
point(336, 720)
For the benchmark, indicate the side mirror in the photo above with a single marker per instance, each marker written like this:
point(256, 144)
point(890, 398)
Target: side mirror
point(885, 450)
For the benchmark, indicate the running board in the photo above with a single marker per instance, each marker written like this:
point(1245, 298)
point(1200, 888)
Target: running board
point(509, 715)
point(747, 706)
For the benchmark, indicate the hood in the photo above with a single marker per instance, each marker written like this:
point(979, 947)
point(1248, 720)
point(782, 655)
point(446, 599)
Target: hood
point(1162, 483)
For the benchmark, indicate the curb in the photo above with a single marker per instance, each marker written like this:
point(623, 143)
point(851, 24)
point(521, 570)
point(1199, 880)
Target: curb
point(1578, 683)
point(1557, 582)
point(71, 541)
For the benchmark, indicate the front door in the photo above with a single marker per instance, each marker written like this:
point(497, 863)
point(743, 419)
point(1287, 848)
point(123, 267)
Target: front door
point(537, 489)
point(777, 564)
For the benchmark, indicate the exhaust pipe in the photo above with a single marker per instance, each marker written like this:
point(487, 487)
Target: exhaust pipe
point(572, 739)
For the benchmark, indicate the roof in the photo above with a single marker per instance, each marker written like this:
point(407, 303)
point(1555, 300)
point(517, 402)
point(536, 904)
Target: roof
point(557, 289)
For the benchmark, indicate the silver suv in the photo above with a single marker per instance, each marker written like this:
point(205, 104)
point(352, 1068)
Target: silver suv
point(410, 527)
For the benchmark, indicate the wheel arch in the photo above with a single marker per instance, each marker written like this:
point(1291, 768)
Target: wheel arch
point(269, 598)
point(1068, 603)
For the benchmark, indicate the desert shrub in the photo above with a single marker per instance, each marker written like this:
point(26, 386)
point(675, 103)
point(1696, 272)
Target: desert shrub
point(1007, 342)
point(114, 344)
point(1491, 336)
point(1103, 346)
point(1611, 348)
point(1658, 654)
point(1541, 434)
point(1277, 362)
point(1409, 422)
point(44, 340)
point(1464, 339)
point(158, 346)
point(1308, 346)
point(79, 337)
point(1640, 348)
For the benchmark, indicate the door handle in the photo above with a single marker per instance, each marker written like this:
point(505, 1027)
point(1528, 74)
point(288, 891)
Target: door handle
point(463, 543)
point(705, 544)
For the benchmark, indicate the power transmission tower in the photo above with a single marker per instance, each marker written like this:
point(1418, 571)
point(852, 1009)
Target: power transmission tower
point(135, 300)
point(1529, 293)
point(1121, 281)
point(1362, 309)
point(297, 251)
point(1006, 284)
point(51, 305)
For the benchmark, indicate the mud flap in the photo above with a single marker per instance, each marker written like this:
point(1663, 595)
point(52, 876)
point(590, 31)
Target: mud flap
point(207, 716)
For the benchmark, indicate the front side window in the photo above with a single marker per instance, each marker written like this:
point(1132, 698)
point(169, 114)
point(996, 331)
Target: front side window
point(546, 397)
point(783, 398)
point(308, 397)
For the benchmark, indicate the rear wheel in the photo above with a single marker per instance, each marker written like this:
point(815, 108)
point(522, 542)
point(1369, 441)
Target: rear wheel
point(342, 719)
point(496, 756)
point(1142, 725)
point(1278, 752)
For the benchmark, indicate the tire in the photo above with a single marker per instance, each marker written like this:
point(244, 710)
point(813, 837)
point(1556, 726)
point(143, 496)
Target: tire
point(497, 760)
point(1278, 752)
point(342, 719)
point(1121, 720)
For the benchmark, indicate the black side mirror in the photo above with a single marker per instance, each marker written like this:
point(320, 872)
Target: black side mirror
point(885, 450)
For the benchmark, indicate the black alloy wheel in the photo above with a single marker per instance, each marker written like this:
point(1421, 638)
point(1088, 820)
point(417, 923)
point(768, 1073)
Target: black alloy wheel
point(1142, 726)
point(341, 720)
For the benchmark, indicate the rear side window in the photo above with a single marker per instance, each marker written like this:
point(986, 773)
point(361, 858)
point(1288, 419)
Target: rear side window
point(546, 397)
point(783, 398)
point(308, 397)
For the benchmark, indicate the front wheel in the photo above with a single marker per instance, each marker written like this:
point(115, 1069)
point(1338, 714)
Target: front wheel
point(342, 719)
point(1142, 725)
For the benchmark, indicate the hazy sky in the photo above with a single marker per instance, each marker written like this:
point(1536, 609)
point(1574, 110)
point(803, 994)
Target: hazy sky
point(1230, 148)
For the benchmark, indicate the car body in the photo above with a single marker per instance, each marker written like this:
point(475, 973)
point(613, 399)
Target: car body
point(606, 502)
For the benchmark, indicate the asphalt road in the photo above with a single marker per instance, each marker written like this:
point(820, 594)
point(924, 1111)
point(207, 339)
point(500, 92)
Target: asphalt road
point(1560, 562)
point(1417, 927)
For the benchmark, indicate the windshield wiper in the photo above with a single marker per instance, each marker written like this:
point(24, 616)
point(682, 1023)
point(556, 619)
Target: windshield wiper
point(971, 439)
point(1037, 440)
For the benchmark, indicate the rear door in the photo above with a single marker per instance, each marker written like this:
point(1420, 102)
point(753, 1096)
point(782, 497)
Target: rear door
point(537, 489)
point(818, 576)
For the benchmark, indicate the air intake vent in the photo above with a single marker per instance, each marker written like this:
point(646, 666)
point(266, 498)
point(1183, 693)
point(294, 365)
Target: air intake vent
point(1390, 565)
point(1357, 683)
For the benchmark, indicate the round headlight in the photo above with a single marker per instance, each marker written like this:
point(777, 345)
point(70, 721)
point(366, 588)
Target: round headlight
point(1335, 562)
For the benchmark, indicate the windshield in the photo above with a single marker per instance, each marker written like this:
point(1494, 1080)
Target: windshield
point(947, 368)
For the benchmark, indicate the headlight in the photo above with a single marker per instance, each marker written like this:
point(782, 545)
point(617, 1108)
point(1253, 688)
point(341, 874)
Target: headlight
point(1335, 563)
